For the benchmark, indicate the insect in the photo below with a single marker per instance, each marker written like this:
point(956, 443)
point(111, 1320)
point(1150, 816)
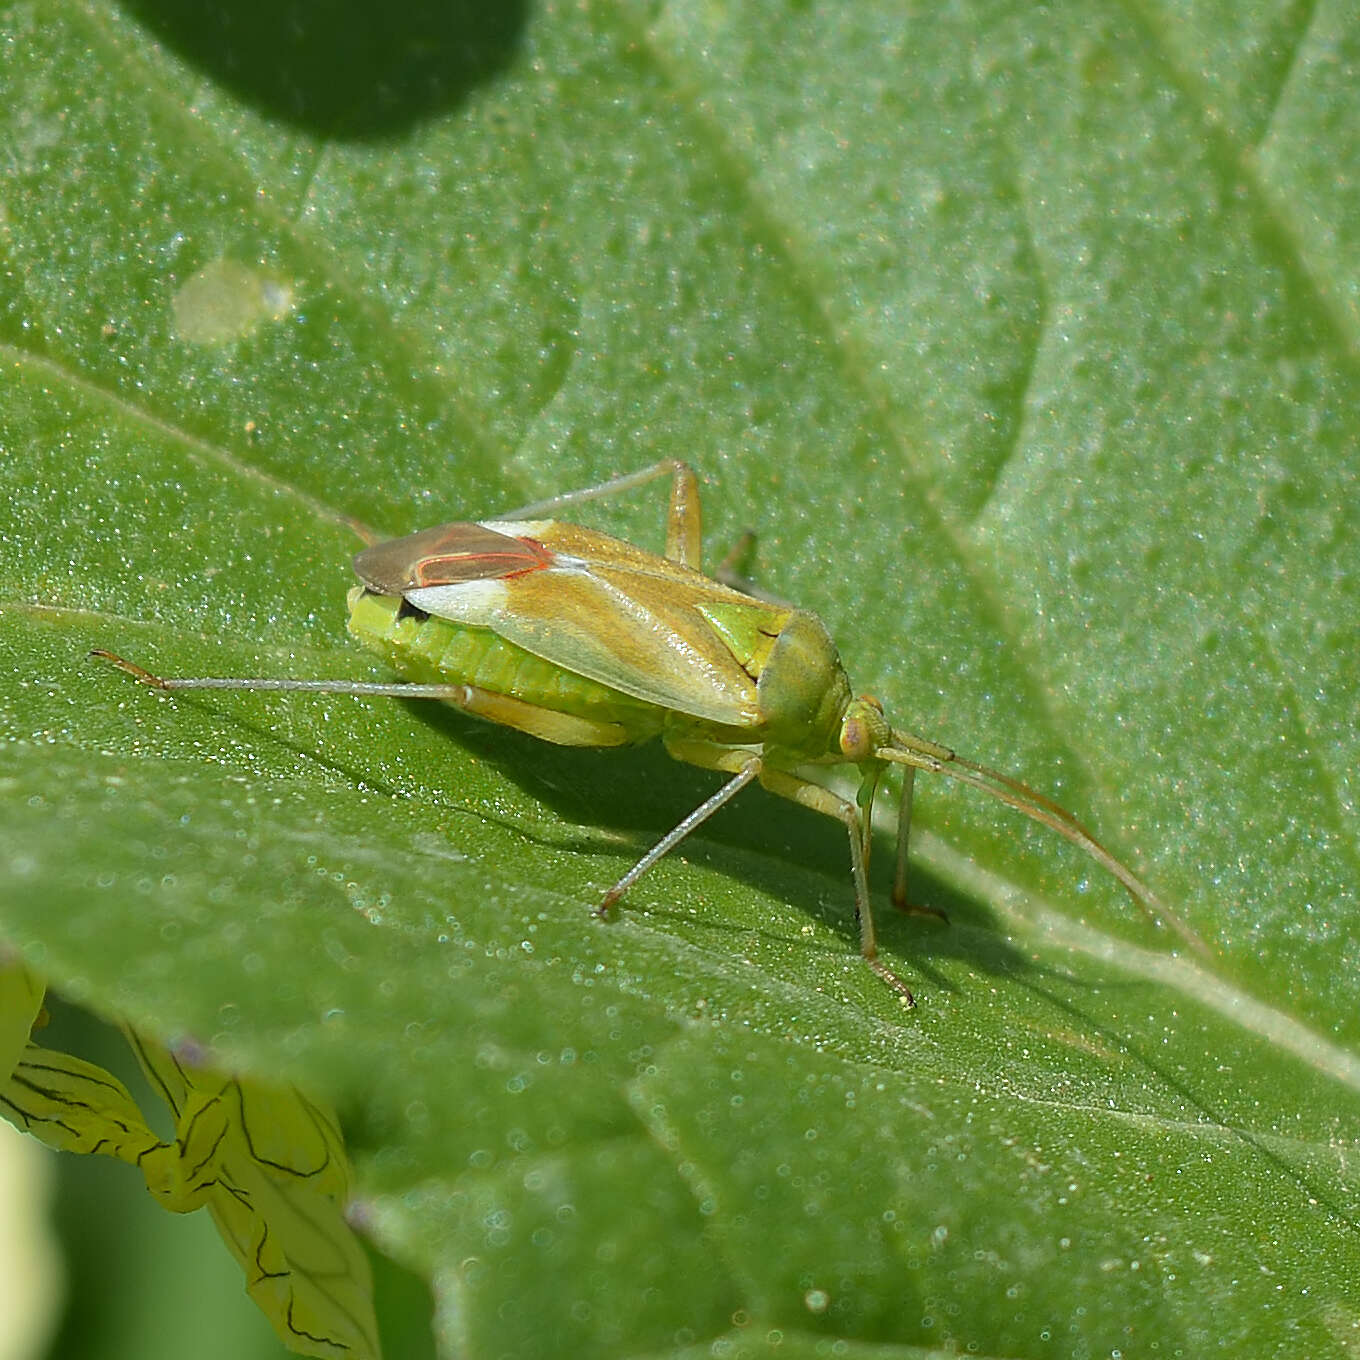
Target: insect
point(586, 640)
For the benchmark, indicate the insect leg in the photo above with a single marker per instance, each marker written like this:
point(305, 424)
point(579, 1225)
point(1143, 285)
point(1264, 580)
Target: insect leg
point(563, 729)
point(713, 756)
point(899, 892)
point(684, 526)
point(729, 572)
point(684, 521)
point(672, 838)
point(822, 800)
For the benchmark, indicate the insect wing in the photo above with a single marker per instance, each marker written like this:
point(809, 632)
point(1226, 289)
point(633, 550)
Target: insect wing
point(444, 555)
point(594, 605)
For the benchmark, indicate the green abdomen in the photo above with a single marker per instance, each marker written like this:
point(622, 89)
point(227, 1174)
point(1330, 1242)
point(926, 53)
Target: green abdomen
point(430, 650)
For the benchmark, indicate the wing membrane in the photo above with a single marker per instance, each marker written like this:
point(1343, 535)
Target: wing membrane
point(446, 554)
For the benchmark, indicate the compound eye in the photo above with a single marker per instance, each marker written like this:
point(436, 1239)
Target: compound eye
point(863, 730)
point(857, 741)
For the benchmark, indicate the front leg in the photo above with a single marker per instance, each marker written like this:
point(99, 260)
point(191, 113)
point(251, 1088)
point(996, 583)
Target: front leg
point(740, 779)
point(899, 893)
point(712, 756)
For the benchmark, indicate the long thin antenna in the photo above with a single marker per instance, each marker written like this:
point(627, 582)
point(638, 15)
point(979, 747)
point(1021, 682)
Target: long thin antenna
point(924, 755)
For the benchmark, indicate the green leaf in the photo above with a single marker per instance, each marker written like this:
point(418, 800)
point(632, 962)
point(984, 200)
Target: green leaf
point(1023, 339)
point(268, 1164)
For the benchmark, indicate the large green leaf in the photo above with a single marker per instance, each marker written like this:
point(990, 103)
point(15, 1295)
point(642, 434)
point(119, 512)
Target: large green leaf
point(1024, 340)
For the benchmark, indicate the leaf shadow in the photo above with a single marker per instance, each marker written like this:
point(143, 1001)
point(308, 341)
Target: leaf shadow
point(346, 69)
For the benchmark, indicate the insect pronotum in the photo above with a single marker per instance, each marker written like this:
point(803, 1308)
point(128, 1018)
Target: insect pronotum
point(585, 640)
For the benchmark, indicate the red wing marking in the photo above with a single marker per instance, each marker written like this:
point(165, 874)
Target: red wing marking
point(510, 557)
point(447, 555)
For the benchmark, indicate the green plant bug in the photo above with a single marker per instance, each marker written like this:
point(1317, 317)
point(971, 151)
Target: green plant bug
point(582, 639)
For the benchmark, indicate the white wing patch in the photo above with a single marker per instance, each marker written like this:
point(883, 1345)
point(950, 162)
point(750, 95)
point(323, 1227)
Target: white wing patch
point(475, 603)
